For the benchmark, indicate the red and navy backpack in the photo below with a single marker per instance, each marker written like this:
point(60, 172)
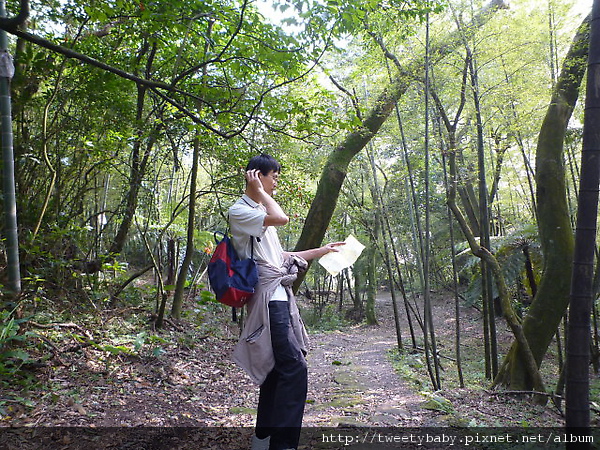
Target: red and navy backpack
point(231, 279)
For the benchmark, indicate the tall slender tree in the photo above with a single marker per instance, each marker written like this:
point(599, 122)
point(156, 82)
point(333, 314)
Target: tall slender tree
point(581, 298)
point(336, 167)
point(8, 165)
point(484, 221)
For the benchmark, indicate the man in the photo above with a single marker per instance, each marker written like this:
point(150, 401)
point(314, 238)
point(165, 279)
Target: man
point(274, 342)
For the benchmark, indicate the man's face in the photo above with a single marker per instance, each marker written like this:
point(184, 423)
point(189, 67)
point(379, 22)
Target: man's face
point(269, 181)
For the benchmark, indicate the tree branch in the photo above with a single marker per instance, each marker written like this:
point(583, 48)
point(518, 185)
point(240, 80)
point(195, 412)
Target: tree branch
point(19, 19)
point(349, 94)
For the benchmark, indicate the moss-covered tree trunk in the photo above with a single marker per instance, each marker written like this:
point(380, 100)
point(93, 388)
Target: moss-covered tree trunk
point(556, 235)
point(371, 257)
point(358, 311)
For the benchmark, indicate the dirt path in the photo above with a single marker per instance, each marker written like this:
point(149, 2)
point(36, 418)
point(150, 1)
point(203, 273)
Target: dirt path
point(194, 384)
point(352, 382)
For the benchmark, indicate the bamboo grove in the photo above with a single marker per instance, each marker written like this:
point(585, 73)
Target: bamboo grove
point(446, 136)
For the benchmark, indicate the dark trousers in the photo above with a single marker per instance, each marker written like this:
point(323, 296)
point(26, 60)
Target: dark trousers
point(283, 393)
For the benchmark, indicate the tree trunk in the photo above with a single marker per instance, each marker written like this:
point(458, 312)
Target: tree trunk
point(336, 166)
point(9, 203)
point(139, 161)
point(387, 238)
point(556, 234)
point(468, 200)
point(358, 312)
point(484, 221)
point(578, 342)
point(457, 317)
point(525, 354)
point(370, 315)
point(189, 249)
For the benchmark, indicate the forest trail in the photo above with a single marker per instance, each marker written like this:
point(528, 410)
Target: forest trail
point(352, 381)
point(193, 387)
point(194, 384)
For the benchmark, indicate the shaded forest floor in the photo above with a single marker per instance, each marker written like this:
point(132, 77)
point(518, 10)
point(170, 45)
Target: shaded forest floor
point(183, 377)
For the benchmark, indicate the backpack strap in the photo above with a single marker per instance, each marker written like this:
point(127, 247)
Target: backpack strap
point(223, 234)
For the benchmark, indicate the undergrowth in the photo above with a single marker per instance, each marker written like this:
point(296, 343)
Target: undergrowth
point(40, 334)
point(325, 319)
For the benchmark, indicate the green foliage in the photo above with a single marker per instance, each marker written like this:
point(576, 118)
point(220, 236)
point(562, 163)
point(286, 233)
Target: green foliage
point(240, 76)
point(410, 367)
point(327, 319)
point(14, 349)
point(509, 250)
point(349, 17)
point(148, 344)
point(205, 313)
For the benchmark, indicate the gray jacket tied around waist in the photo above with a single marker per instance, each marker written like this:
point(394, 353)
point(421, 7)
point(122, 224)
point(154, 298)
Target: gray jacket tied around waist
point(254, 352)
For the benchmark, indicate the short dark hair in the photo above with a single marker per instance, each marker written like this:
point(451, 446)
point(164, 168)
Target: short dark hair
point(265, 163)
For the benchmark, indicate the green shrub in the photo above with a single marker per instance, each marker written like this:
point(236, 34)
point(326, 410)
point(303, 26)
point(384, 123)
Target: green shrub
point(327, 319)
point(14, 345)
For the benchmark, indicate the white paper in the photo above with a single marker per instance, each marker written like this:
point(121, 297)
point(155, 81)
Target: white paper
point(335, 262)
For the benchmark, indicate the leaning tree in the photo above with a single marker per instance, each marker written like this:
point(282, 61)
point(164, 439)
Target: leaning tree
point(336, 167)
point(556, 234)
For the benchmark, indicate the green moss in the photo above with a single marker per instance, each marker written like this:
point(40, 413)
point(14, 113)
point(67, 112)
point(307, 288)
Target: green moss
point(242, 410)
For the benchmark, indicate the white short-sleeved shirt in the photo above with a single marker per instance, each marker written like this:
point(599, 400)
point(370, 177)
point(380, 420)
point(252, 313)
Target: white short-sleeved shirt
point(246, 220)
